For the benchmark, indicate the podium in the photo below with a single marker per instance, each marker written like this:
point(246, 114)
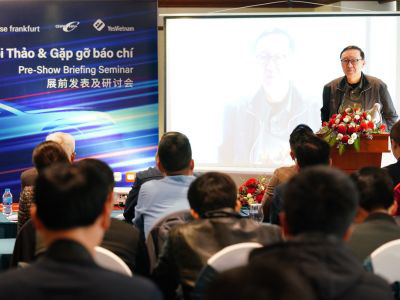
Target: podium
point(370, 154)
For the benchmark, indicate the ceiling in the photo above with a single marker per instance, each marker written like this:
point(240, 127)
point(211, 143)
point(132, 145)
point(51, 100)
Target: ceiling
point(241, 3)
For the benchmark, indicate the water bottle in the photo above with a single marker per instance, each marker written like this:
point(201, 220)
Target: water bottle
point(7, 202)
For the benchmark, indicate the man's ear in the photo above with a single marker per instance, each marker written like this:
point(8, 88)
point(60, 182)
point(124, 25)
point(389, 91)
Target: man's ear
point(35, 220)
point(238, 206)
point(292, 155)
point(347, 234)
point(284, 226)
point(160, 166)
point(191, 165)
point(194, 214)
point(106, 214)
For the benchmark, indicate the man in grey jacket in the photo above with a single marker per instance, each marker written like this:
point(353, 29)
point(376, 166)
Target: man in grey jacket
point(356, 89)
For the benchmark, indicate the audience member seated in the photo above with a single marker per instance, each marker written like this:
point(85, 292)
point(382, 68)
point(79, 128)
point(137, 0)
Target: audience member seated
point(394, 169)
point(376, 197)
point(310, 151)
point(319, 206)
point(44, 155)
point(66, 141)
point(158, 198)
point(282, 174)
point(141, 178)
point(270, 281)
point(214, 205)
point(120, 238)
point(71, 230)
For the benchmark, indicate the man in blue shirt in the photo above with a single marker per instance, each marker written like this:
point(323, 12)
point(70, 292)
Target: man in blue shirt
point(158, 198)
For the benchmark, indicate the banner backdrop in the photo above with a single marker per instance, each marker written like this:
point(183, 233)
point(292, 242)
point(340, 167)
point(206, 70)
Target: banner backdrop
point(88, 68)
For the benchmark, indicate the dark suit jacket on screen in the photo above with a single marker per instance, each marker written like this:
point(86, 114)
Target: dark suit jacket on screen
point(68, 271)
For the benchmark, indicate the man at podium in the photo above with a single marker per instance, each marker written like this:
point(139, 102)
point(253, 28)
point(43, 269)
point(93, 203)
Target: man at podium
point(356, 89)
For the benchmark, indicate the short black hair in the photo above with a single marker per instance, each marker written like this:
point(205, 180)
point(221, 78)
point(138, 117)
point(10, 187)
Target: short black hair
point(311, 152)
point(174, 151)
point(212, 191)
point(395, 133)
point(352, 47)
point(271, 281)
point(69, 196)
point(375, 187)
point(48, 153)
point(320, 200)
point(97, 167)
point(298, 134)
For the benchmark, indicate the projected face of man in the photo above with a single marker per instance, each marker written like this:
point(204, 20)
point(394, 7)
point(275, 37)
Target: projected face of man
point(352, 65)
point(274, 54)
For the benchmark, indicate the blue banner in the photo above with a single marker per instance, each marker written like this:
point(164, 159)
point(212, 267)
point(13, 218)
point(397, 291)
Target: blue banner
point(87, 68)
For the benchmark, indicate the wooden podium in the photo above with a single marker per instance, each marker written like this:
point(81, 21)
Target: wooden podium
point(370, 154)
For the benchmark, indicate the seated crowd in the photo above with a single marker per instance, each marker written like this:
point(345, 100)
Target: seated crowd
point(325, 225)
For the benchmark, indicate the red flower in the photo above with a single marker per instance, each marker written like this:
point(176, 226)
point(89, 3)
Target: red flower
point(351, 129)
point(324, 124)
point(251, 182)
point(331, 122)
point(382, 127)
point(334, 116)
point(371, 124)
point(358, 128)
point(259, 198)
point(251, 190)
point(364, 125)
point(345, 138)
point(342, 128)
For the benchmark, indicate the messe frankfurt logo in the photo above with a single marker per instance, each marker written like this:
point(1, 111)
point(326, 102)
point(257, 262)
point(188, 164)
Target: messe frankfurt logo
point(99, 25)
point(69, 26)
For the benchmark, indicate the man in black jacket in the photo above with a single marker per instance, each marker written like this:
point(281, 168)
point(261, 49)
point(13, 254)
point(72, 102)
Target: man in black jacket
point(214, 205)
point(71, 213)
point(319, 206)
point(356, 89)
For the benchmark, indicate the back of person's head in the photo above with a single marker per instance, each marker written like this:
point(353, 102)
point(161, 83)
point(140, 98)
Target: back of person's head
point(313, 151)
point(174, 152)
point(299, 134)
point(395, 133)
point(320, 200)
point(95, 168)
point(69, 196)
point(375, 187)
point(66, 141)
point(212, 191)
point(260, 282)
point(48, 153)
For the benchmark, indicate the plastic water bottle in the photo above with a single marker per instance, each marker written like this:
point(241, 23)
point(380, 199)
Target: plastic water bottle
point(7, 202)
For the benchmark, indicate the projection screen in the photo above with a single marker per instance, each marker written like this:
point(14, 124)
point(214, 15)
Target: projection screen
point(237, 85)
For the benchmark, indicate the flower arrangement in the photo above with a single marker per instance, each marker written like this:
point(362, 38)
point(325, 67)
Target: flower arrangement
point(347, 128)
point(252, 190)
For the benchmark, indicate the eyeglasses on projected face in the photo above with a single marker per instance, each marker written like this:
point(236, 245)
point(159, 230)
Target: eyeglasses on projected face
point(345, 61)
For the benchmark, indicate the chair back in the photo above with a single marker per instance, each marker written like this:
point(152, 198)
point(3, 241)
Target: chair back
point(108, 260)
point(385, 261)
point(158, 234)
point(228, 258)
